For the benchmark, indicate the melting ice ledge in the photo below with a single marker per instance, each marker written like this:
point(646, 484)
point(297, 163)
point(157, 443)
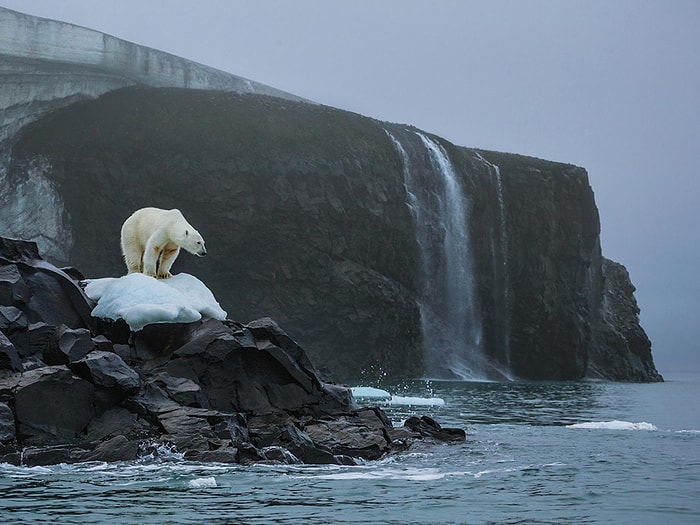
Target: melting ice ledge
point(142, 300)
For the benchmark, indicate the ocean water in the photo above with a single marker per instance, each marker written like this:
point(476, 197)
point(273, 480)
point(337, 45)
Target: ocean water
point(589, 452)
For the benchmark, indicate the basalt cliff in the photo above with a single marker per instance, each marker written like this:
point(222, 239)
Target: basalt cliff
point(386, 252)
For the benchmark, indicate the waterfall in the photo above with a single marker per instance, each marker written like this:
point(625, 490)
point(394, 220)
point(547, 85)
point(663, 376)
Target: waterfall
point(504, 254)
point(450, 317)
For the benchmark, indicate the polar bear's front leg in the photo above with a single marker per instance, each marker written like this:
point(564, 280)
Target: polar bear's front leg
point(151, 254)
point(167, 259)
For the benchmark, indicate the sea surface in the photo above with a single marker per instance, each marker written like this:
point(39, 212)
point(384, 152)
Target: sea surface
point(586, 452)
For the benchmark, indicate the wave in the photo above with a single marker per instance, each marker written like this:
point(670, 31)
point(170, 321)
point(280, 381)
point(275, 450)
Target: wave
point(614, 425)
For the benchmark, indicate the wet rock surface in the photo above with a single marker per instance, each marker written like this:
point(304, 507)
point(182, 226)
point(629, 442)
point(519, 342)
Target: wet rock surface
point(74, 388)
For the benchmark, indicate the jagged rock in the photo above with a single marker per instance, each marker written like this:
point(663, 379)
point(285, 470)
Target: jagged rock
point(108, 370)
point(118, 448)
point(117, 421)
point(52, 405)
point(69, 345)
point(220, 455)
point(242, 369)
point(7, 423)
point(215, 390)
point(49, 455)
point(363, 434)
point(35, 341)
point(622, 351)
point(10, 455)
point(428, 427)
point(12, 319)
point(40, 290)
point(9, 358)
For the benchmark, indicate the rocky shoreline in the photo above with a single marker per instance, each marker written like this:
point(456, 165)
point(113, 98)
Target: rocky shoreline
point(74, 388)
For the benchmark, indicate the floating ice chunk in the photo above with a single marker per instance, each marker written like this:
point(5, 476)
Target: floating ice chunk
point(142, 300)
point(202, 483)
point(417, 401)
point(370, 392)
point(614, 425)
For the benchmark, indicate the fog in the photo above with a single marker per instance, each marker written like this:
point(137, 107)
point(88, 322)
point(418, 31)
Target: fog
point(608, 85)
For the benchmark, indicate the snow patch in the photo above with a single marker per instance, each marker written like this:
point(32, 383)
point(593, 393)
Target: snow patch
point(142, 300)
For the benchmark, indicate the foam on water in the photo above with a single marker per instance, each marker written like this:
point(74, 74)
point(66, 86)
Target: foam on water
point(614, 425)
point(202, 483)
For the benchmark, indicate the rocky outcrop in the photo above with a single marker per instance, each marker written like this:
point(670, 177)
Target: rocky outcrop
point(621, 349)
point(75, 388)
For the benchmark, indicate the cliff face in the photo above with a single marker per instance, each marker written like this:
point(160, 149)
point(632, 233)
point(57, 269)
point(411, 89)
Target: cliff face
point(301, 208)
point(311, 216)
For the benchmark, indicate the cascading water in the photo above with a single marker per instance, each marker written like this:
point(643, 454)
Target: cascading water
point(450, 317)
point(504, 253)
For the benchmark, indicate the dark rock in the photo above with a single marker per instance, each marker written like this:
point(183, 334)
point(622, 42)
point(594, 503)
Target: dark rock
point(119, 421)
point(362, 434)
point(9, 357)
point(220, 455)
point(69, 345)
point(52, 405)
point(183, 390)
point(118, 448)
point(40, 290)
point(256, 379)
point(280, 455)
point(36, 340)
point(7, 424)
point(249, 454)
point(212, 390)
point(428, 427)
point(622, 350)
point(10, 454)
point(50, 455)
point(12, 319)
point(108, 370)
point(303, 447)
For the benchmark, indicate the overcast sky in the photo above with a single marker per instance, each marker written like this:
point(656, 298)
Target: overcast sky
point(610, 85)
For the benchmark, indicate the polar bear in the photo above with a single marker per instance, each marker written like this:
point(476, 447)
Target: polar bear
point(151, 239)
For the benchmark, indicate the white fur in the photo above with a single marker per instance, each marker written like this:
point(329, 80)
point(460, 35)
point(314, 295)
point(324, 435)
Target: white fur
point(151, 240)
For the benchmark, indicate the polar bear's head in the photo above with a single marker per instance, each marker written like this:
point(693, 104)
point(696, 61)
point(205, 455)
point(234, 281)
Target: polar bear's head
point(193, 242)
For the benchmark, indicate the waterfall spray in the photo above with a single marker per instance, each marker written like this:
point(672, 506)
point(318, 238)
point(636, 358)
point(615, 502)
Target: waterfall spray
point(450, 317)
